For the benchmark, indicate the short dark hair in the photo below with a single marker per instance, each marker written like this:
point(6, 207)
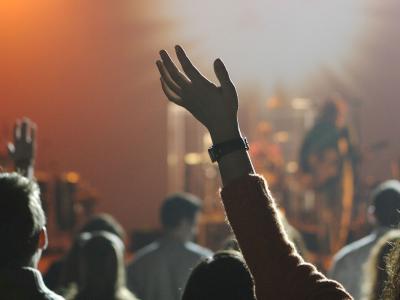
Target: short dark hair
point(224, 276)
point(386, 203)
point(21, 218)
point(104, 222)
point(178, 207)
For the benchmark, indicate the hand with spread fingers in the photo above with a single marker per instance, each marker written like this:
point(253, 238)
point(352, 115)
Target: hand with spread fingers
point(214, 106)
point(22, 150)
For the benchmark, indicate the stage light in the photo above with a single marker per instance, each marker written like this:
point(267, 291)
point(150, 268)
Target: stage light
point(301, 103)
point(292, 167)
point(72, 177)
point(194, 158)
point(281, 137)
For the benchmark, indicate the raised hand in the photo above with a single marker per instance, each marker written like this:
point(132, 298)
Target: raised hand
point(22, 150)
point(214, 106)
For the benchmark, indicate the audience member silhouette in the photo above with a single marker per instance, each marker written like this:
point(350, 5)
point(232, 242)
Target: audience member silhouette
point(22, 223)
point(391, 289)
point(64, 271)
point(224, 276)
point(161, 269)
point(278, 271)
point(375, 272)
point(384, 214)
point(102, 270)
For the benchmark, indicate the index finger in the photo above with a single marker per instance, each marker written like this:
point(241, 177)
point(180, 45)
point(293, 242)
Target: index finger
point(172, 69)
point(187, 66)
point(24, 129)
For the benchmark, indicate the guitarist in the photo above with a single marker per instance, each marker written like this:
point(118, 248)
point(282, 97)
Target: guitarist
point(327, 161)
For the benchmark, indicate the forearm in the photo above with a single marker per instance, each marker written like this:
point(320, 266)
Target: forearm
point(235, 165)
point(271, 258)
point(253, 216)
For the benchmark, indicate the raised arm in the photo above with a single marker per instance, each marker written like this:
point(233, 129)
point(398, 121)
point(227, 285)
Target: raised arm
point(23, 149)
point(278, 271)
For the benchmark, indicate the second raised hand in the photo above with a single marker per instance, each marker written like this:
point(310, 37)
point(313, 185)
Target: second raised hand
point(23, 149)
point(214, 106)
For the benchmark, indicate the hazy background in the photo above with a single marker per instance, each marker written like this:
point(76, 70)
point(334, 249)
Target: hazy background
point(84, 71)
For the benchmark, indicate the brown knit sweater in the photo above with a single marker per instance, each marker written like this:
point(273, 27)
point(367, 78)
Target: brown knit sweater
point(279, 272)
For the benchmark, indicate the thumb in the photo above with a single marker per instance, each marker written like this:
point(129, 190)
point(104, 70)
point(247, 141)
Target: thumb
point(222, 74)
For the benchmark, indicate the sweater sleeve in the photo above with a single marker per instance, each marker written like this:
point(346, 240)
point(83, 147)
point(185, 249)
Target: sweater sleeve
point(278, 271)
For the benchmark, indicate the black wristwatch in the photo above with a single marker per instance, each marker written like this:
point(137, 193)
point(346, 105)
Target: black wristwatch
point(219, 150)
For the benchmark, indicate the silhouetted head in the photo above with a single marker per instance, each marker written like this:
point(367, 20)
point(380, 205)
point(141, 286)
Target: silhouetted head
point(334, 111)
point(329, 112)
point(103, 222)
point(385, 204)
point(22, 221)
point(98, 223)
point(179, 214)
point(102, 271)
point(225, 276)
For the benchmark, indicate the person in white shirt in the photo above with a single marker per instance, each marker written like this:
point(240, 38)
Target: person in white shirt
point(161, 269)
point(348, 263)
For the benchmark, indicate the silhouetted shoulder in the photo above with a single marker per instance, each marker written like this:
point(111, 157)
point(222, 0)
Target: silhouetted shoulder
point(147, 251)
point(355, 247)
point(24, 283)
point(201, 251)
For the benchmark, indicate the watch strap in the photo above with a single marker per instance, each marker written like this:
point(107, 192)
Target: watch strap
point(219, 150)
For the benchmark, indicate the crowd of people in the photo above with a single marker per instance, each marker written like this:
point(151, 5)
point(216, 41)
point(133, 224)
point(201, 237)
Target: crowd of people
point(263, 264)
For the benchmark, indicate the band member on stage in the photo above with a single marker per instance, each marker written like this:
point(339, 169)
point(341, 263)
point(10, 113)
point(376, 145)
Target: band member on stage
point(327, 160)
point(267, 156)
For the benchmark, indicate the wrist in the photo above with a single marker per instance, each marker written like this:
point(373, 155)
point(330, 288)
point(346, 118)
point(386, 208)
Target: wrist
point(218, 151)
point(219, 136)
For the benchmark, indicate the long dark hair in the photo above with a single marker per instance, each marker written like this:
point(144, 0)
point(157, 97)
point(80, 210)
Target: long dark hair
point(102, 271)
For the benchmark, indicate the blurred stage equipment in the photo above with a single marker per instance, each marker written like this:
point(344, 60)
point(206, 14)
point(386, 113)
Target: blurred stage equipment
point(267, 155)
point(74, 201)
point(275, 128)
point(65, 194)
